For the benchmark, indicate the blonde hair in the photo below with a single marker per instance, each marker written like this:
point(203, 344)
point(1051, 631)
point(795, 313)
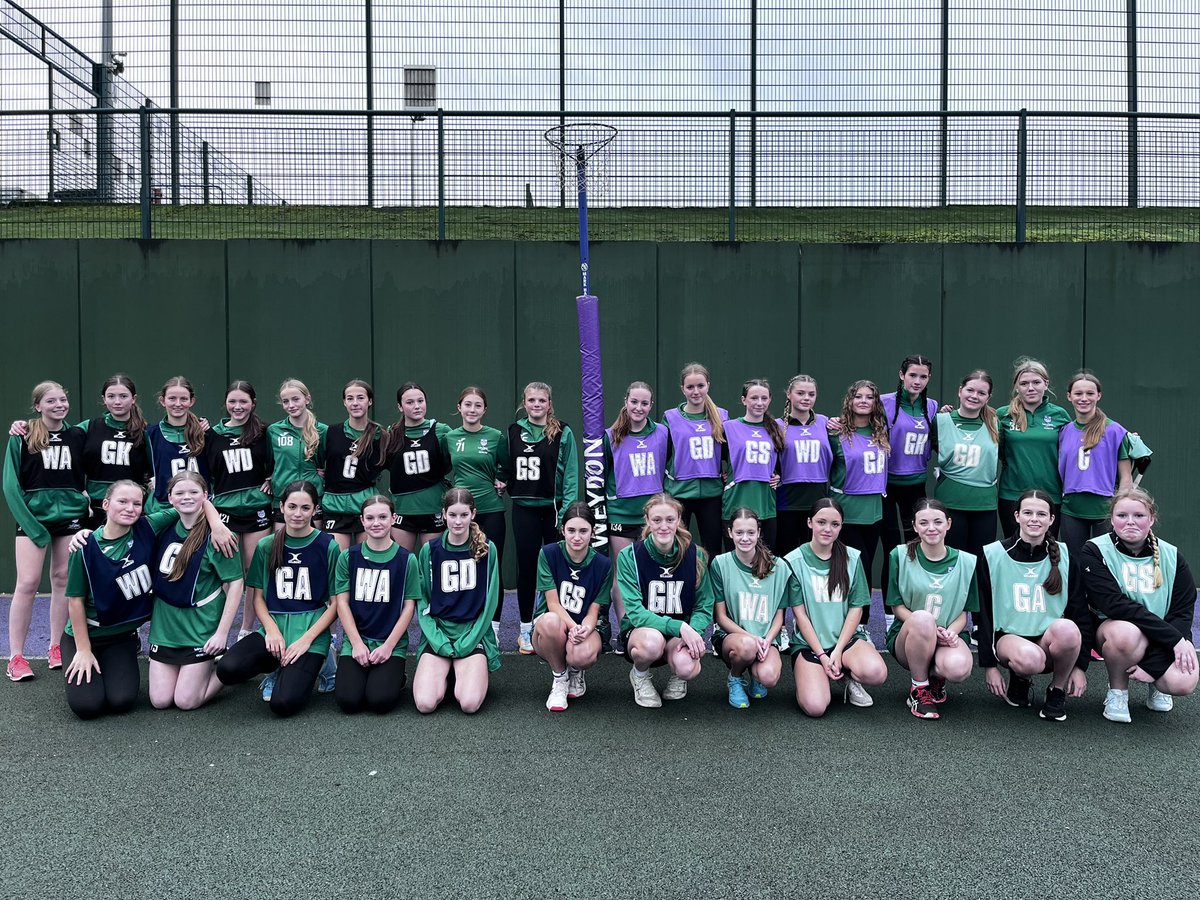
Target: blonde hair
point(987, 413)
point(1143, 497)
point(682, 535)
point(711, 413)
point(553, 425)
point(37, 435)
point(1094, 432)
point(308, 433)
point(787, 401)
point(1016, 409)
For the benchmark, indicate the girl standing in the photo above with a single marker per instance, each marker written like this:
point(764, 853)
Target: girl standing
point(240, 462)
point(197, 591)
point(858, 478)
point(297, 443)
point(575, 583)
point(177, 441)
point(353, 463)
point(669, 602)
point(115, 447)
point(752, 448)
point(460, 590)
point(694, 465)
point(1093, 461)
point(376, 585)
point(910, 418)
point(44, 488)
point(1145, 595)
point(968, 461)
point(635, 455)
point(751, 589)
point(1033, 610)
point(290, 582)
point(545, 481)
point(931, 589)
point(804, 464)
point(831, 594)
point(418, 463)
point(1029, 429)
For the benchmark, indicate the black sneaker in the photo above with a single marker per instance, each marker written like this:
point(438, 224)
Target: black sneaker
point(1055, 707)
point(1019, 692)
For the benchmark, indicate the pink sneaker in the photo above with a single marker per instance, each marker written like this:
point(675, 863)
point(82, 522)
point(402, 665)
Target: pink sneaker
point(18, 669)
point(54, 656)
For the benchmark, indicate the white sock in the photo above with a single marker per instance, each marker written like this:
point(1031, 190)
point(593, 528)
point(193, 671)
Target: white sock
point(526, 628)
point(888, 619)
point(638, 673)
point(559, 676)
point(918, 684)
point(496, 629)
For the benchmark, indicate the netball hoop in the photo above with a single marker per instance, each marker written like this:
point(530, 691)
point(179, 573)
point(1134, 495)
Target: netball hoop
point(585, 146)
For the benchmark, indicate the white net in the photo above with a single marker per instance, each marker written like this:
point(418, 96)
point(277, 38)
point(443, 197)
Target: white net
point(588, 143)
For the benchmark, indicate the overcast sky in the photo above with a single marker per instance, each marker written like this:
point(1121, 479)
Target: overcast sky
point(625, 54)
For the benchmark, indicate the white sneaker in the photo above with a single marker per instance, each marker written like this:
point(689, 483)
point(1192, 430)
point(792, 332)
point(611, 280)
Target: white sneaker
point(1116, 706)
point(576, 684)
point(856, 694)
point(557, 701)
point(888, 619)
point(676, 688)
point(644, 693)
point(1158, 701)
point(525, 643)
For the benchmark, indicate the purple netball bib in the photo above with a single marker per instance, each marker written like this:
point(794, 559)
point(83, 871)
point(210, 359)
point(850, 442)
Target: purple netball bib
point(638, 463)
point(910, 437)
point(866, 466)
point(751, 454)
point(806, 456)
point(695, 453)
point(1089, 471)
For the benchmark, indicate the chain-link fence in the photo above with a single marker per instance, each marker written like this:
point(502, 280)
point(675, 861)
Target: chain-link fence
point(752, 119)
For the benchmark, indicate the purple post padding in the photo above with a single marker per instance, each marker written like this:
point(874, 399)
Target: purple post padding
point(588, 309)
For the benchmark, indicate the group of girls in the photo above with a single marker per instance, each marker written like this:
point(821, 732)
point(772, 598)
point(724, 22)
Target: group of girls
point(736, 477)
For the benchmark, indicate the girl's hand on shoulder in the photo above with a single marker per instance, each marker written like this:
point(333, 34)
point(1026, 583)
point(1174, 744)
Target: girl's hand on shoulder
point(204, 423)
point(994, 680)
point(19, 428)
point(224, 540)
point(946, 407)
point(83, 663)
point(774, 482)
point(834, 425)
point(78, 539)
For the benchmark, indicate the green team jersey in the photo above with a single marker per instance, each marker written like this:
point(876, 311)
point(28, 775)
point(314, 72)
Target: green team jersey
point(546, 582)
point(287, 447)
point(689, 488)
point(458, 640)
point(946, 588)
point(857, 509)
point(411, 591)
point(827, 614)
point(1135, 574)
point(293, 625)
point(245, 502)
point(637, 615)
point(1082, 505)
point(566, 475)
point(77, 578)
point(427, 501)
point(480, 458)
point(32, 508)
point(751, 602)
point(1030, 457)
point(968, 460)
point(351, 504)
point(174, 626)
point(1020, 605)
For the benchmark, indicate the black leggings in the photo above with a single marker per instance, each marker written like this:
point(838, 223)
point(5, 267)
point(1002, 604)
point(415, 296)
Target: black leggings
point(897, 524)
point(1076, 532)
point(493, 525)
point(707, 511)
point(374, 688)
point(114, 689)
point(1008, 518)
point(971, 531)
point(791, 530)
point(533, 528)
point(293, 684)
point(768, 534)
point(864, 539)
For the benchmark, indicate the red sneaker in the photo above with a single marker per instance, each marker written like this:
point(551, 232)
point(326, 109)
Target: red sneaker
point(54, 656)
point(921, 703)
point(18, 669)
point(937, 689)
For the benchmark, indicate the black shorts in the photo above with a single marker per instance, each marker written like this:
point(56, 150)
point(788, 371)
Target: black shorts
point(179, 656)
point(426, 523)
point(661, 661)
point(341, 523)
point(1157, 660)
point(633, 531)
point(277, 516)
point(259, 520)
point(809, 656)
point(64, 528)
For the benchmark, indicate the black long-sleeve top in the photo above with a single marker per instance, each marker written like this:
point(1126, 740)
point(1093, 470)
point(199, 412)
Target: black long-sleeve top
point(1076, 610)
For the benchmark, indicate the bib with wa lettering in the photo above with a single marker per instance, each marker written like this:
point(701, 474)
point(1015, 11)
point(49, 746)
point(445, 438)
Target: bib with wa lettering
point(827, 613)
point(639, 463)
point(376, 591)
point(1020, 605)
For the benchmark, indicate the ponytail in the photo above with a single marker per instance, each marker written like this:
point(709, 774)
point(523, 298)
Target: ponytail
point(477, 540)
point(621, 425)
point(762, 561)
